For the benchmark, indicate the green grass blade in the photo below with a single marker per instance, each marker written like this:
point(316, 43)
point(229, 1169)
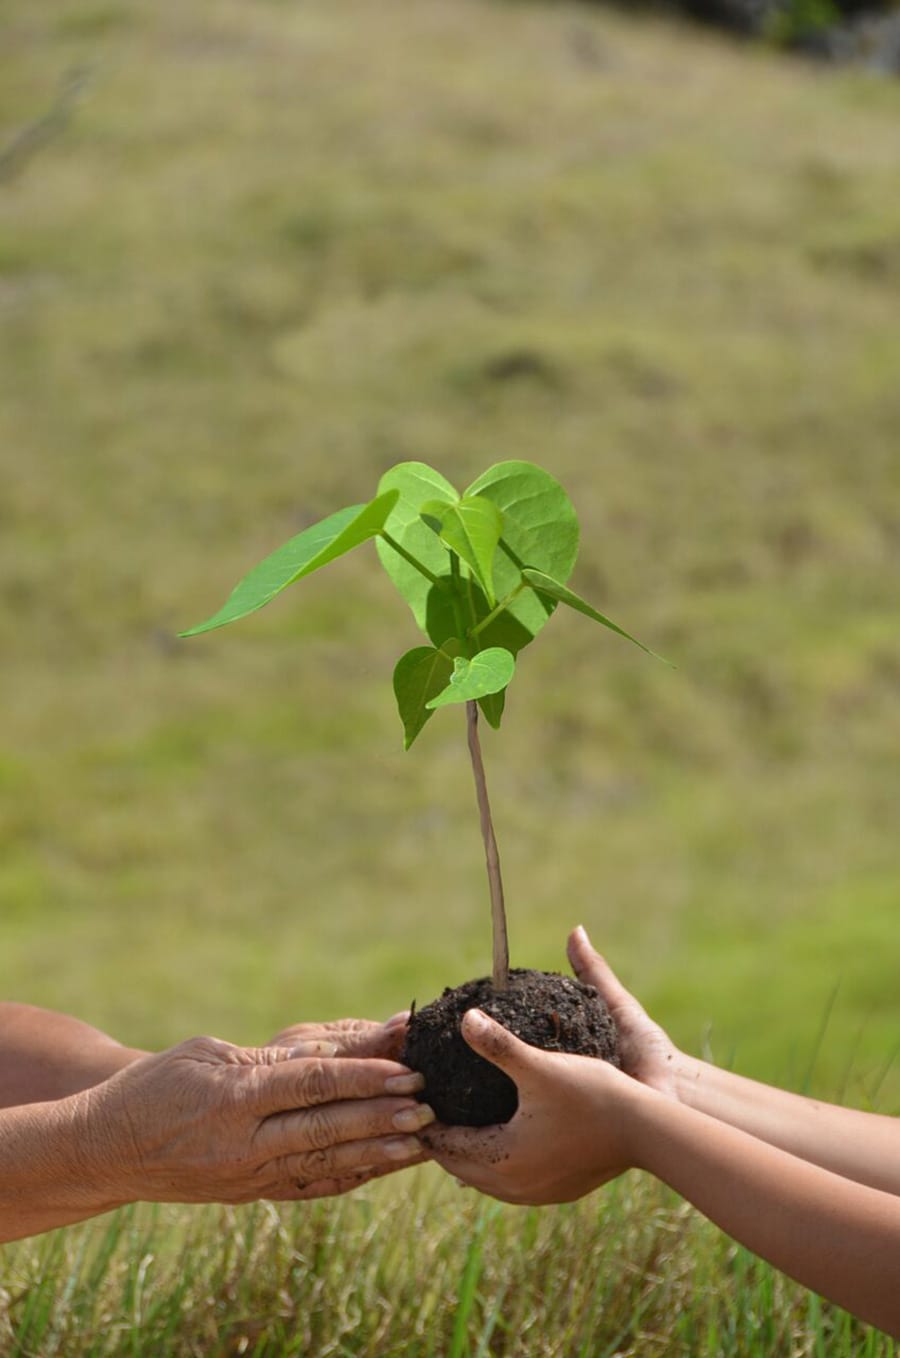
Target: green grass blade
point(468, 1286)
point(303, 554)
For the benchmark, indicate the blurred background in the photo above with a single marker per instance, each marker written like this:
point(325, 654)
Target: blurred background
point(252, 254)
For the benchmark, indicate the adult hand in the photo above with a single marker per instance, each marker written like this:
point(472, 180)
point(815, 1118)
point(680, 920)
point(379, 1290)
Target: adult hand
point(350, 1037)
point(568, 1136)
point(211, 1122)
point(648, 1053)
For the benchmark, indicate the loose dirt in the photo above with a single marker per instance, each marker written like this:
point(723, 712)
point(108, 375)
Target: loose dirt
point(547, 1010)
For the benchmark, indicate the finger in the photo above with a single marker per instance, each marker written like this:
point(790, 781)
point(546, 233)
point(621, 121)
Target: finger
point(592, 969)
point(307, 1082)
point(497, 1044)
point(299, 1050)
point(358, 1037)
point(374, 1039)
point(331, 1124)
point(350, 1037)
point(351, 1157)
point(394, 1036)
point(289, 1046)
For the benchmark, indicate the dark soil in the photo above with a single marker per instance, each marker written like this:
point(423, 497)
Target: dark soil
point(546, 1010)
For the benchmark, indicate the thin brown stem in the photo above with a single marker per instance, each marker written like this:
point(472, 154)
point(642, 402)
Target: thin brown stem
point(491, 853)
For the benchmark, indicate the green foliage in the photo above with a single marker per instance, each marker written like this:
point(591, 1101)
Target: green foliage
point(417, 485)
point(472, 529)
point(487, 672)
point(545, 584)
point(512, 533)
point(302, 555)
point(795, 20)
point(419, 676)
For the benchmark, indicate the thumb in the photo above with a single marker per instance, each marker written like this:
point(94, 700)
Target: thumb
point(593, 969)
point(496, 1043)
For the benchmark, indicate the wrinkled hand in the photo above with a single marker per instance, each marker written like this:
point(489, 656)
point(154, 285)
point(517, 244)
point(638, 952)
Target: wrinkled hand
point(210, 1122)
point(648, 1053)
point(351, 1037)
point(568, 1136)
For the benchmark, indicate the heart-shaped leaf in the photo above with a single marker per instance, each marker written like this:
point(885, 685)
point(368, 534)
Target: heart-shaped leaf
point(303, 554)
point(472, 529)
point(487, 672)
point(545, 584)
point(540, 529)
point(492, 705)
point(419, 676)
point(415, 483)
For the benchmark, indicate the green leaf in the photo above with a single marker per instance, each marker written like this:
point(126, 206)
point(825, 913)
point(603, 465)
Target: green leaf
point(303, 554)
point(472, 529)
point(492, 705)
point(545, 584)
point(487, 672)
point(420, 675)
point(540, 529)
point(415, 483)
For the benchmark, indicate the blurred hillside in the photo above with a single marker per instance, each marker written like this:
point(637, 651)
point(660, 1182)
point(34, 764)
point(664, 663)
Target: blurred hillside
point(264, 250)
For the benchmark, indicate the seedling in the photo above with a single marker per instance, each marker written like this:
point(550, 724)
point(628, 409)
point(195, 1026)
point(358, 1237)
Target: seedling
point(482, 572)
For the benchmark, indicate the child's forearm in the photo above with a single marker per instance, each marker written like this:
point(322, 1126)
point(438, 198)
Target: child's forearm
point(838, 1237)
point(46, 1056)
point(860, 1146)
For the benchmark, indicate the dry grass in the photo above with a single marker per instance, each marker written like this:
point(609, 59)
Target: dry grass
point(420, 1274)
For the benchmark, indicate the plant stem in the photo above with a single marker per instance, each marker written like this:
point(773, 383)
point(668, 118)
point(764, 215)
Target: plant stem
point(408, 556)
point(495, 612)
point(456, 604)
point(491, 853)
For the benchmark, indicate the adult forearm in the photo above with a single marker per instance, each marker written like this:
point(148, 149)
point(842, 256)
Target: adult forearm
point(45, 1055)
point(47, 1176)
point(840, 1238)
point(860, 1146)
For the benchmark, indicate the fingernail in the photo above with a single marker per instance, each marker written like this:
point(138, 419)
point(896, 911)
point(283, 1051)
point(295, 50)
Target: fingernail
point(396, 1020)
point(404, 1084)
point(313, 1049)
point(413, 1119)
point(402, 1148)
point(476, 1021)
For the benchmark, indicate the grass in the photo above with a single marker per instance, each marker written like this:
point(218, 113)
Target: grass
point(273, 250)
point(431, 1272)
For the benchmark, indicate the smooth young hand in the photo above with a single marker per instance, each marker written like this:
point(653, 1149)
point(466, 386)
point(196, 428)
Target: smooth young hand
point(810, 1187)
point(568, 1136)
point(647, 1052)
